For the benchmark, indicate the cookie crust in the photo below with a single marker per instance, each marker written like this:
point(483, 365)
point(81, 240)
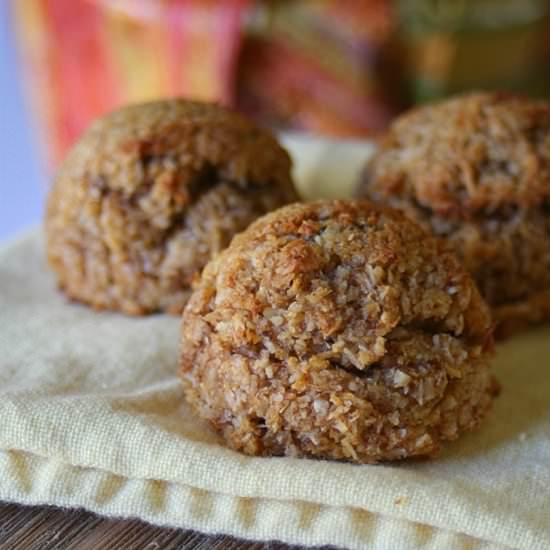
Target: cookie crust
point(340, 330)
point(475, 170)
point(150, 193)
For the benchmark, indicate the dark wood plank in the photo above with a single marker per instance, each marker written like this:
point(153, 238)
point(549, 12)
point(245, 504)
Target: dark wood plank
point(50, 528)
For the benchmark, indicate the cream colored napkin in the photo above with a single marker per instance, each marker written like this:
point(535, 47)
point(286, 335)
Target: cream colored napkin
point(92, 415)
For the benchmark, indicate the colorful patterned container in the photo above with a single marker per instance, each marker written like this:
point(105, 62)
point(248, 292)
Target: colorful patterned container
point(83, 58)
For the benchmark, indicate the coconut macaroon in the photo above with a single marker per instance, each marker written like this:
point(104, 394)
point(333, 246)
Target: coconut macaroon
point(340, 330)
point(476, 170)
point(150, 193)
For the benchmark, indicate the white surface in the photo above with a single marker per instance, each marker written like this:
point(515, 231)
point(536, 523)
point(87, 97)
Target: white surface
point(326, 168)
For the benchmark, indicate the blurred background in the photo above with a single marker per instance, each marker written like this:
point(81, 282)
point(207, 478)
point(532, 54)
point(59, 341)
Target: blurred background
point(338, 68)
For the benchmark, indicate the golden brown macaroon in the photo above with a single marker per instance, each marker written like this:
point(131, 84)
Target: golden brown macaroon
point(475, 169)
point(150, 193)
point(339, 330)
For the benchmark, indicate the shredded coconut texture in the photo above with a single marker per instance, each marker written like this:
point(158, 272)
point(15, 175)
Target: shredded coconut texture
point(340, 330)
point(150, 193)
point(475, 169)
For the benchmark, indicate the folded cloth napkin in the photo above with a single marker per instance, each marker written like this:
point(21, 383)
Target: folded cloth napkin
point(92, 415)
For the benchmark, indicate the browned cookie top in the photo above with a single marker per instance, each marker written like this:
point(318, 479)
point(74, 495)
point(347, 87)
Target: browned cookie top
point(472, 152)
point(358, 271)
point(159, 151)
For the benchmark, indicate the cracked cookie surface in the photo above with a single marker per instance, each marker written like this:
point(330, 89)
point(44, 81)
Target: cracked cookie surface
point(150, 193)
point(337, 329)
point(475, 170)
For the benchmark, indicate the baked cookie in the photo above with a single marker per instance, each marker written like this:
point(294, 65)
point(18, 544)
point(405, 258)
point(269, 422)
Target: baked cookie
point(476, 170)
point(150, 193)
point(341, 330)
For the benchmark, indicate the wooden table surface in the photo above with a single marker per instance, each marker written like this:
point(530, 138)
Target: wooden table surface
point(49, 528)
